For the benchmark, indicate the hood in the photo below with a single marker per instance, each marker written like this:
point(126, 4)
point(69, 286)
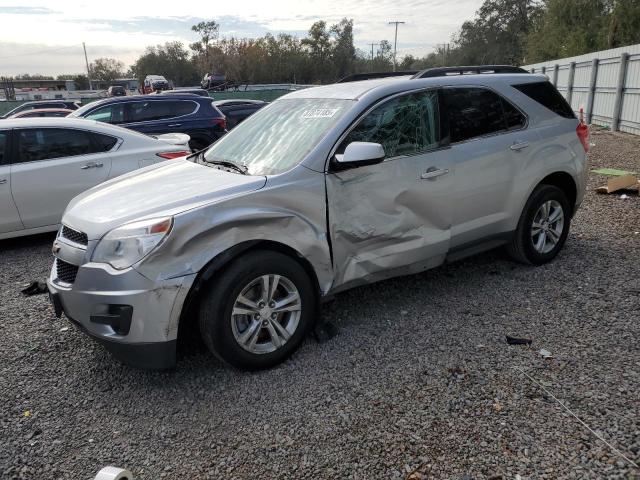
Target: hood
point(167, 188)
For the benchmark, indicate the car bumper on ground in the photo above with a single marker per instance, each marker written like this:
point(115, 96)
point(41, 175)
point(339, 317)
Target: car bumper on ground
point(134, 318)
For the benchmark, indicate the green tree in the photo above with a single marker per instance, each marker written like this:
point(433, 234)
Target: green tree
point(171, 60)
point(106, 69)
point(80, 79)
point(209, 32)
point(568, 28)
point(624, 24)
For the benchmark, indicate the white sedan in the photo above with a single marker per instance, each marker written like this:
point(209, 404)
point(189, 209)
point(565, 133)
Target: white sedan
point(45, 162)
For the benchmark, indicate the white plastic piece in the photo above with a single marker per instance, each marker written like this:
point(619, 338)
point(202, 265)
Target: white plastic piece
point(114, 473)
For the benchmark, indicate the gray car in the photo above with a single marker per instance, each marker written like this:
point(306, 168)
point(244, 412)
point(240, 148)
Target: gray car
point(324, 189)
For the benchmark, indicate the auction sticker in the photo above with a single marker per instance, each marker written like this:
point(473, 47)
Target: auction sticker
point(320, 113)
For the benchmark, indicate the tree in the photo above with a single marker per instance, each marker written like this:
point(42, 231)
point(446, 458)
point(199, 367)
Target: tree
point(624, 24)
point(209, 32)
point(106, 69)
point(344, 52)
point(36, 76)
point(171, 60)
point(79, 79)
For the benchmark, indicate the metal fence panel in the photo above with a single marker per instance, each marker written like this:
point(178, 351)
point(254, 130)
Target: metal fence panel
point(610, 95)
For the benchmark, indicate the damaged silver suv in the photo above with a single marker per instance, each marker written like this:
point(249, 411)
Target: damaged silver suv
point(324, 189)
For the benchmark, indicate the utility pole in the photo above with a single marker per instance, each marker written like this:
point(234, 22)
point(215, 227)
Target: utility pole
point(372, 45)
point(86, 60)
point(395, 42)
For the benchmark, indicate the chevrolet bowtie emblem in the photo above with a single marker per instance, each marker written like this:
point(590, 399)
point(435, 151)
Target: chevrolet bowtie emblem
point(56, 248)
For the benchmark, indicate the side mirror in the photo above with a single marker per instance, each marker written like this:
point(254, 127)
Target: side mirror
point(358, 154)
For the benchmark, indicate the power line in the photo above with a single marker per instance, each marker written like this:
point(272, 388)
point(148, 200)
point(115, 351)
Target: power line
point(40, 52)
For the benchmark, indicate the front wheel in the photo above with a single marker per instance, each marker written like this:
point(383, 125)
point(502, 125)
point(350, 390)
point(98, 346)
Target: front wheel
point(543, 226)
point(258, 311)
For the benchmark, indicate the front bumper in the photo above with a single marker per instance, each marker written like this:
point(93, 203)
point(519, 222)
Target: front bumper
point(135, 318)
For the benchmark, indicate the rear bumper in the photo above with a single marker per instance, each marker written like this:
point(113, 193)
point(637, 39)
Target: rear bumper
point(134, 318)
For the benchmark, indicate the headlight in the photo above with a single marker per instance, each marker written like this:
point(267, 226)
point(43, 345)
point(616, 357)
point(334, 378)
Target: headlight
point(130, 243)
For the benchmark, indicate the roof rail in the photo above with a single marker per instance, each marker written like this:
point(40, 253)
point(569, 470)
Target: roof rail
point(468, 70)
point(356, 77)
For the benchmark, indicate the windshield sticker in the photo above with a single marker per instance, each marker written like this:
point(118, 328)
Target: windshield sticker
point(320, 113)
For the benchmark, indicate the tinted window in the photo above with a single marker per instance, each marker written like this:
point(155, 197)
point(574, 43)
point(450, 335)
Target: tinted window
point(104, 143)
point(403, 126)
point(475, 112)
point(159, 110)
point(514, 118)
point(109, 114)
point(3, 145)
point(46, 143)
point(546, 94)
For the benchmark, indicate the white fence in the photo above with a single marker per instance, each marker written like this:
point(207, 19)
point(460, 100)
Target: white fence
point(606, 84)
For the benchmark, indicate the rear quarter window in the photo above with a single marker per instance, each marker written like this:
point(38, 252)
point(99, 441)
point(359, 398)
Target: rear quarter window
point(546, 95)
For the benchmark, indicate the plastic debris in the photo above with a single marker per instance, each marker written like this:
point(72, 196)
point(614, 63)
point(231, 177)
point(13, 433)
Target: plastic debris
point(545, 353)
point(27, 413)
point(63, 329)
point(518, 341)
point(35, 288)
point(113, 473)
point(624, 196)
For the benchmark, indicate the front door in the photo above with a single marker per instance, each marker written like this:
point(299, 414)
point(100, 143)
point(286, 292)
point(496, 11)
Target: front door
point(394, 217)
point(9, 218)
point(50, 167)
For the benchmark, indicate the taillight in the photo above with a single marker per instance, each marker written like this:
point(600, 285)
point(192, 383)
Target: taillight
point(221, 122)
point(583, 134)
point(172, 155)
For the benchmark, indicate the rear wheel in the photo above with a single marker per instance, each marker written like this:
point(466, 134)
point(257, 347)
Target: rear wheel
point(543, 226)
point(198, 143)
point(258, 311)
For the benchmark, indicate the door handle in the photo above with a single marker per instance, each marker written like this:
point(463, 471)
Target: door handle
point(516, 147)
point(91, 165)
point(174, 125)
point(3, 181)
point(433, 172)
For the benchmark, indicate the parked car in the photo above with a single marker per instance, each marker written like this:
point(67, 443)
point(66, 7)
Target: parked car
point(212, 81)
point(193, 91)
point(155, 83)
point(237, 110)
point(68, 104)
point(196, 116)
point(42, 112)
point(324, 189)
point(116, 91)
point(45, 162)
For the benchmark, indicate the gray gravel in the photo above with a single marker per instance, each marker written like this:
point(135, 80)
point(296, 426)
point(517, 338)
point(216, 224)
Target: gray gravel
point(419, 382)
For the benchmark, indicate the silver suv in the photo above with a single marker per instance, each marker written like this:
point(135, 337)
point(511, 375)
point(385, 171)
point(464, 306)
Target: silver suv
point(324, 189)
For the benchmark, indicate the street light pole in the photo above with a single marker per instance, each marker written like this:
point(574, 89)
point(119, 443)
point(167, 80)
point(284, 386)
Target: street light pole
point(395, 42)
point(86, 60)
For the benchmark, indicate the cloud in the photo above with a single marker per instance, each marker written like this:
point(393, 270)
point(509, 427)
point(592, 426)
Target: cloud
point(19, 10)
point(124, 28)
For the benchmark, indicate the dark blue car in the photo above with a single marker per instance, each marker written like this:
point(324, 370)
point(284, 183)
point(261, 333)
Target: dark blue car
point(155, 114)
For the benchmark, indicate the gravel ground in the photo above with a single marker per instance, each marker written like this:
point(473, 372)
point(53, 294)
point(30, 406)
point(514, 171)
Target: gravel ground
point(418, 383)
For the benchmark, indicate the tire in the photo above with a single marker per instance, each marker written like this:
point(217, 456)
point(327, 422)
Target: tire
point(526, 244)
point(246, 340)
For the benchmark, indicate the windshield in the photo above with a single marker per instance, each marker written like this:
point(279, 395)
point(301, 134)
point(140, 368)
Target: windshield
point(80, 111)
point(279, 136)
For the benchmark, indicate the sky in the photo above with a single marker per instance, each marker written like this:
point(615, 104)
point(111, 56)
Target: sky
point(45, 37)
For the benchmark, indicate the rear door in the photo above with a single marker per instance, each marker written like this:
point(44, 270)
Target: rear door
point(9, 218)
point(490, 145)
point(49, 167)
point(166, 116)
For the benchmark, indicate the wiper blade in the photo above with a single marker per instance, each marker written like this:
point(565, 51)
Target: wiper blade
point(200, 158)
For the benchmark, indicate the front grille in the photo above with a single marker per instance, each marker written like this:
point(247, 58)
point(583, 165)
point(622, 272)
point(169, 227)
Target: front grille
point(74, 235)
point(65, 271)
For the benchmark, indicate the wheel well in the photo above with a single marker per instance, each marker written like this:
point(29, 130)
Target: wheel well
point(188, 326)
point(564, 182)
